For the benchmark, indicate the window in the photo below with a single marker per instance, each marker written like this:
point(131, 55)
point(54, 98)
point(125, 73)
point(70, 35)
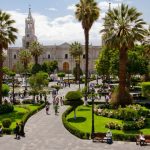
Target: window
point(27, 45)
point(49, 56)
point(66, 56)
point(15, 56)
point(84, 56)
point(27, 35)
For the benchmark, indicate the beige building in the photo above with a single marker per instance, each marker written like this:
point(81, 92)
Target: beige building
point(60, 53)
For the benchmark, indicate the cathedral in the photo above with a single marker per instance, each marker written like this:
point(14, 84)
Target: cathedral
point(60, 53)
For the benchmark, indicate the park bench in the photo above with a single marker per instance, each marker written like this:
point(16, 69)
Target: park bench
point(99, 137)
point(147, 139)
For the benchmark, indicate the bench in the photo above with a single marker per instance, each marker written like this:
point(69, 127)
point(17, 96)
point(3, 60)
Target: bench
point(147, 139)
point(99, 137)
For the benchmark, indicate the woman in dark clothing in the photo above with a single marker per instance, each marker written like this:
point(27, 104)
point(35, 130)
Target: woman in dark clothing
point(17, 131)
point(22, 129)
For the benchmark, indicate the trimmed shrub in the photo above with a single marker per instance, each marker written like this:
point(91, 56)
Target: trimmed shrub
point(7, 131)
point(73, 95)
point(146, 89)
point(71, 129)
point(6, 108)
point(6, 122)
point(113, 125)
point(57, 87)
point(5, 90)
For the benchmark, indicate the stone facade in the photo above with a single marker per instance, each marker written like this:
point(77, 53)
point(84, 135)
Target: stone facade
point(60, 53)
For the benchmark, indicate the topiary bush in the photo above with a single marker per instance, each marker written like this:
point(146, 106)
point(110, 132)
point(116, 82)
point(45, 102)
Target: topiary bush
point(6, 108)
point(6, 122)
point(73, 98)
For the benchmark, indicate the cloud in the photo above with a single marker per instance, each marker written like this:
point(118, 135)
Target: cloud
point(71, 7)
point(51, 9)
point(56, 31)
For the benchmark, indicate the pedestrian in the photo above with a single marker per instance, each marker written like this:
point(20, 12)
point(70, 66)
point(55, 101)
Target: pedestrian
point(47, 108)
point(109, 137)
point(57, 100)
point(56, 108)
point(107, 98)
point(61, 101)
point(1, 131)
point(22, 129)
point(17, 131)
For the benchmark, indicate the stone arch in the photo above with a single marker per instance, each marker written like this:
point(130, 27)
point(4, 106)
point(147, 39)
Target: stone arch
point(66, 67)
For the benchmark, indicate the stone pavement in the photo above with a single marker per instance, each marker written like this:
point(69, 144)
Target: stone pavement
point(46, 132)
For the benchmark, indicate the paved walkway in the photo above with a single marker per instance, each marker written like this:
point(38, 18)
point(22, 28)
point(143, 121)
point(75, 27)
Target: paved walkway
point(46, 132)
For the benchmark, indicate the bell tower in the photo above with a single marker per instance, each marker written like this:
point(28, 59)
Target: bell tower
point(29, 31)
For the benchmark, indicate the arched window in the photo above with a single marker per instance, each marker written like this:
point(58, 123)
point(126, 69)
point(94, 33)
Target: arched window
point(49, 56)
point(14, 56)
point(66, 56)
point(83, 56)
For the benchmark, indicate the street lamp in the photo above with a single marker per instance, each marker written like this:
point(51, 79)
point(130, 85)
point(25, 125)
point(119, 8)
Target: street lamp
point(92, 91)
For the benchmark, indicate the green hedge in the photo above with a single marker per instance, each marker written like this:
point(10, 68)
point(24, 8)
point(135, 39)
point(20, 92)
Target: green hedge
point(71, 129)
point(30, 113)
point(84, 135)
point(146, 89)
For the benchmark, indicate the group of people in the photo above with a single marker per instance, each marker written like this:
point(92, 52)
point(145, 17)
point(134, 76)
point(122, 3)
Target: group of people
point(19, 130)
point(56, 101)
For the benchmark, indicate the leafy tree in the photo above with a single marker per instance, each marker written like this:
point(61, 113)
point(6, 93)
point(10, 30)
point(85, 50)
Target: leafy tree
point(123, 27)
point(36, 50)
point(5, 90)
point(50, 66)
point(61, 75)
point(38, 82)
point(76, 51)
point(87, 12)
point(73, 98)
point(36, 68)
point(7, 36)
point(103, 62)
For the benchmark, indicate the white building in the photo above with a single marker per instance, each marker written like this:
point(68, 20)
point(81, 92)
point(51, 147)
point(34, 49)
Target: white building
point(60, 53)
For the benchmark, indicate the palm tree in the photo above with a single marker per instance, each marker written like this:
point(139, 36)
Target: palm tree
point(76, 51)
point(87, 12)
point(122, 28)
point(36, 50)
point(25, 57)
point(7, 36)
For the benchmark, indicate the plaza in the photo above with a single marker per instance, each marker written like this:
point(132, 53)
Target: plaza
point(75, 75)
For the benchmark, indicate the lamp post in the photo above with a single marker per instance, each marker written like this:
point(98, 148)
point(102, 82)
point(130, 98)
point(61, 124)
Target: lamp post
point(93, 129)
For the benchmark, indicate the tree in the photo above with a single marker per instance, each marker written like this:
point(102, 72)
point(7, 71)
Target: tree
point(103, 63)
point(5, 90)
point(76, 51)
point(73, 98)
point(7, 36)
point(49, 66)
point(123, 27)
point(87, 12)
point(38, 82)
point(36, 50)
point(25, 58)
point(61, 75)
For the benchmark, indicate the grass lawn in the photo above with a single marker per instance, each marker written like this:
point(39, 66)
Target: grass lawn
point(83, 122)
point(18, 113)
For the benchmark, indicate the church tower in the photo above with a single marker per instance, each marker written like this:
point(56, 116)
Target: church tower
point(29, 31)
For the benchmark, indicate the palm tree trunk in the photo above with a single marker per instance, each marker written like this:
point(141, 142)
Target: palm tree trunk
point(122, 75)
point(86, 33)
point(1, 73)
point(36, 59)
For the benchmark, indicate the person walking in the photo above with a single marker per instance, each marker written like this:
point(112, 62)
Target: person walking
point(61, 101)
point(47, 108)
point(1, 131)
point(17, 131)
point(22, 129)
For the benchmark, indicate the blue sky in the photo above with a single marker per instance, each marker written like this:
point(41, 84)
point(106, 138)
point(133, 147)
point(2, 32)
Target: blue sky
point(55, 22)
